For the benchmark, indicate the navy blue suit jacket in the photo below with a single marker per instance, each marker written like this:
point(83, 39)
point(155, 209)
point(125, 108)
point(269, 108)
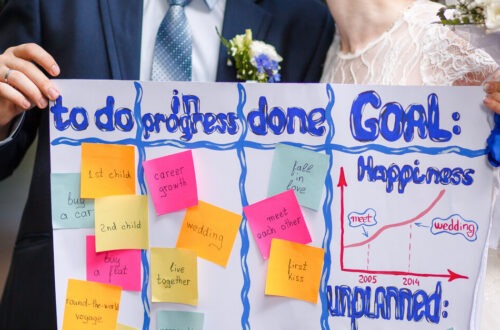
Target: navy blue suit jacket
point(101, 39)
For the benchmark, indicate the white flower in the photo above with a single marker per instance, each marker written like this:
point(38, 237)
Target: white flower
point(492, 15)
point(258, 48)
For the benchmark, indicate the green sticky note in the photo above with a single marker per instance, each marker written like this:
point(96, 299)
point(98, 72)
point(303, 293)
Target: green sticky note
point(301, 170)
point(69, 210)
point(179, 320)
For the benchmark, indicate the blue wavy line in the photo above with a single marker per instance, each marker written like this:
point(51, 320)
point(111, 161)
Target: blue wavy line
point(469, 153)
point(141, 150)
point(245, 242)
point(327, 207)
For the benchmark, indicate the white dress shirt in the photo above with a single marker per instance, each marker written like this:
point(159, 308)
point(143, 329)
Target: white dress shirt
point(204, 16)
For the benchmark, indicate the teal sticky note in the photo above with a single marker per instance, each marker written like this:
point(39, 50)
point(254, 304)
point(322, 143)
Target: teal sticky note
point(68, 209)
point(301, 170)
point(179, 320)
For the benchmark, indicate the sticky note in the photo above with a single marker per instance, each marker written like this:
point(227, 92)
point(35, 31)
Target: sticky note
point(120, 326)
point(69, 210)
point(174, 276)
point(107, 169)
point(294, 270)
point(120, 267)
point(278, 216)
point(303, 171)
point(172, 182)
point(179, 320)
point(210, 231)
point(91, 305)
point(121, 222)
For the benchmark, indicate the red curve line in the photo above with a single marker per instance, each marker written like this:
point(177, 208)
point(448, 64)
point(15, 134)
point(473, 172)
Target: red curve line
point(378, 232)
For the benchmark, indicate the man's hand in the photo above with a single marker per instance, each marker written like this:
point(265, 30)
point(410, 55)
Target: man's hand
point(23, 84)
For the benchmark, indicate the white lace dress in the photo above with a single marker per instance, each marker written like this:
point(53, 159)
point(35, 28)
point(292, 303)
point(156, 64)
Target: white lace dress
point(416, 50)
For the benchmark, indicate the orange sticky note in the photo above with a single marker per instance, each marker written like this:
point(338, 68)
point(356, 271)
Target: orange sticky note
point(294, 270)
point(91, 305)
point(107, 169)
point(121, 222)
point(174, 276)
point(210, 231)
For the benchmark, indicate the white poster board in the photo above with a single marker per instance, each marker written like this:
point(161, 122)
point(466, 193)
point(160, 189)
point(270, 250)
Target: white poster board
point(403, 215)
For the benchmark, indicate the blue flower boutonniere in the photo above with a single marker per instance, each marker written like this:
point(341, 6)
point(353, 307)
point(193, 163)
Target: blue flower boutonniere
point(254, 60)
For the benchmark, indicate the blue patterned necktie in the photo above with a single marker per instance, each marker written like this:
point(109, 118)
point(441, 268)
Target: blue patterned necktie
point(173, 47)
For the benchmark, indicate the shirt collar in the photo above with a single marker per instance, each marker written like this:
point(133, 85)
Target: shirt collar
point(210, 3)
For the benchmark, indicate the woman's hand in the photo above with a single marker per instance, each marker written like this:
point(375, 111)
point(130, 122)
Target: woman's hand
point(492, 89)
point(23, 83)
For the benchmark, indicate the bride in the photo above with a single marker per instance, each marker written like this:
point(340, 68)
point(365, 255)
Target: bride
point(400, 42)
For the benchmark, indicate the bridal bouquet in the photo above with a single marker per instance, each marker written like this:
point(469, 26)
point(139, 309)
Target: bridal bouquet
point(254, 60)
point(478, 12)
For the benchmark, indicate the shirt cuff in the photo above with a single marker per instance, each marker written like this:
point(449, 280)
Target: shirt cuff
point(13, 130)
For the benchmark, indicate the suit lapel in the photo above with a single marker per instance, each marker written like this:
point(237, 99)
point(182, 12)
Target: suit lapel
point(122, 24)
point(238, 16)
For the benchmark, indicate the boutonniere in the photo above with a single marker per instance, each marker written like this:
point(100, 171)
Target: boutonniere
point(484, 13)
point(254, 60)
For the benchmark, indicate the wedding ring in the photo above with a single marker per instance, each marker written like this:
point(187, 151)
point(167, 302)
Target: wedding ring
point(6, 76)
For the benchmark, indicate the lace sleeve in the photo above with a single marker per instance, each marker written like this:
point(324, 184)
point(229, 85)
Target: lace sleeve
point(450, 59)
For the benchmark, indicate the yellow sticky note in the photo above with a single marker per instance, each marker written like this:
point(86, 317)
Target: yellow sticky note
point(91, 305)
point(210, 231)
point(124, 327)
point(121, 222)
point(294, 270)
point(174, 276)
point(107, 169)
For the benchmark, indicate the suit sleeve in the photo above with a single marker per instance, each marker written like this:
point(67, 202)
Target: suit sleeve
point(18, 24)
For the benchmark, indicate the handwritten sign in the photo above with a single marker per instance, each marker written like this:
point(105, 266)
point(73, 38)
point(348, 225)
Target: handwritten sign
point(121, 222)
point(120, 267)
point(404, 200)
point(180, 320)
point(91, 305)
point(172, 182)
point(300, 170)
point(107, 169)
point(210, 231)
point(294, 270)
point(279, 216)
point(68, 208)
point(174, 276)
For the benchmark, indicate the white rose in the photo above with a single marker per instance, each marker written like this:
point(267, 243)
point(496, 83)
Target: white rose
point(258, 47)
point(492, 16)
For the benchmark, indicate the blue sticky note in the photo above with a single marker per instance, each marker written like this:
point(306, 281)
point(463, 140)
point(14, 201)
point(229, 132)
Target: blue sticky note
point(68, 209)
point(179, 320)
point(301, 170)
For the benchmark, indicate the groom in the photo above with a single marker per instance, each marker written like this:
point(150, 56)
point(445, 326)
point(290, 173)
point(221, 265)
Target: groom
point(105, 39)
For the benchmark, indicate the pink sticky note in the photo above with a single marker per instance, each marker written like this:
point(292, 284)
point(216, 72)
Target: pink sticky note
point(118, 267)
point(279, 216)
point(172, 182)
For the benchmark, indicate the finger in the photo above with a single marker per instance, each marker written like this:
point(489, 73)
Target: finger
point(492, 101)
point(19, 81)
point(23, 58)
point(12, 103)
point(492, 87)
point(35, 53)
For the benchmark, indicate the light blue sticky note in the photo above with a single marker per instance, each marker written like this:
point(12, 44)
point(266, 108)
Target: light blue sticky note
point(68, 209)
point(301, 170)
point(177, 320)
